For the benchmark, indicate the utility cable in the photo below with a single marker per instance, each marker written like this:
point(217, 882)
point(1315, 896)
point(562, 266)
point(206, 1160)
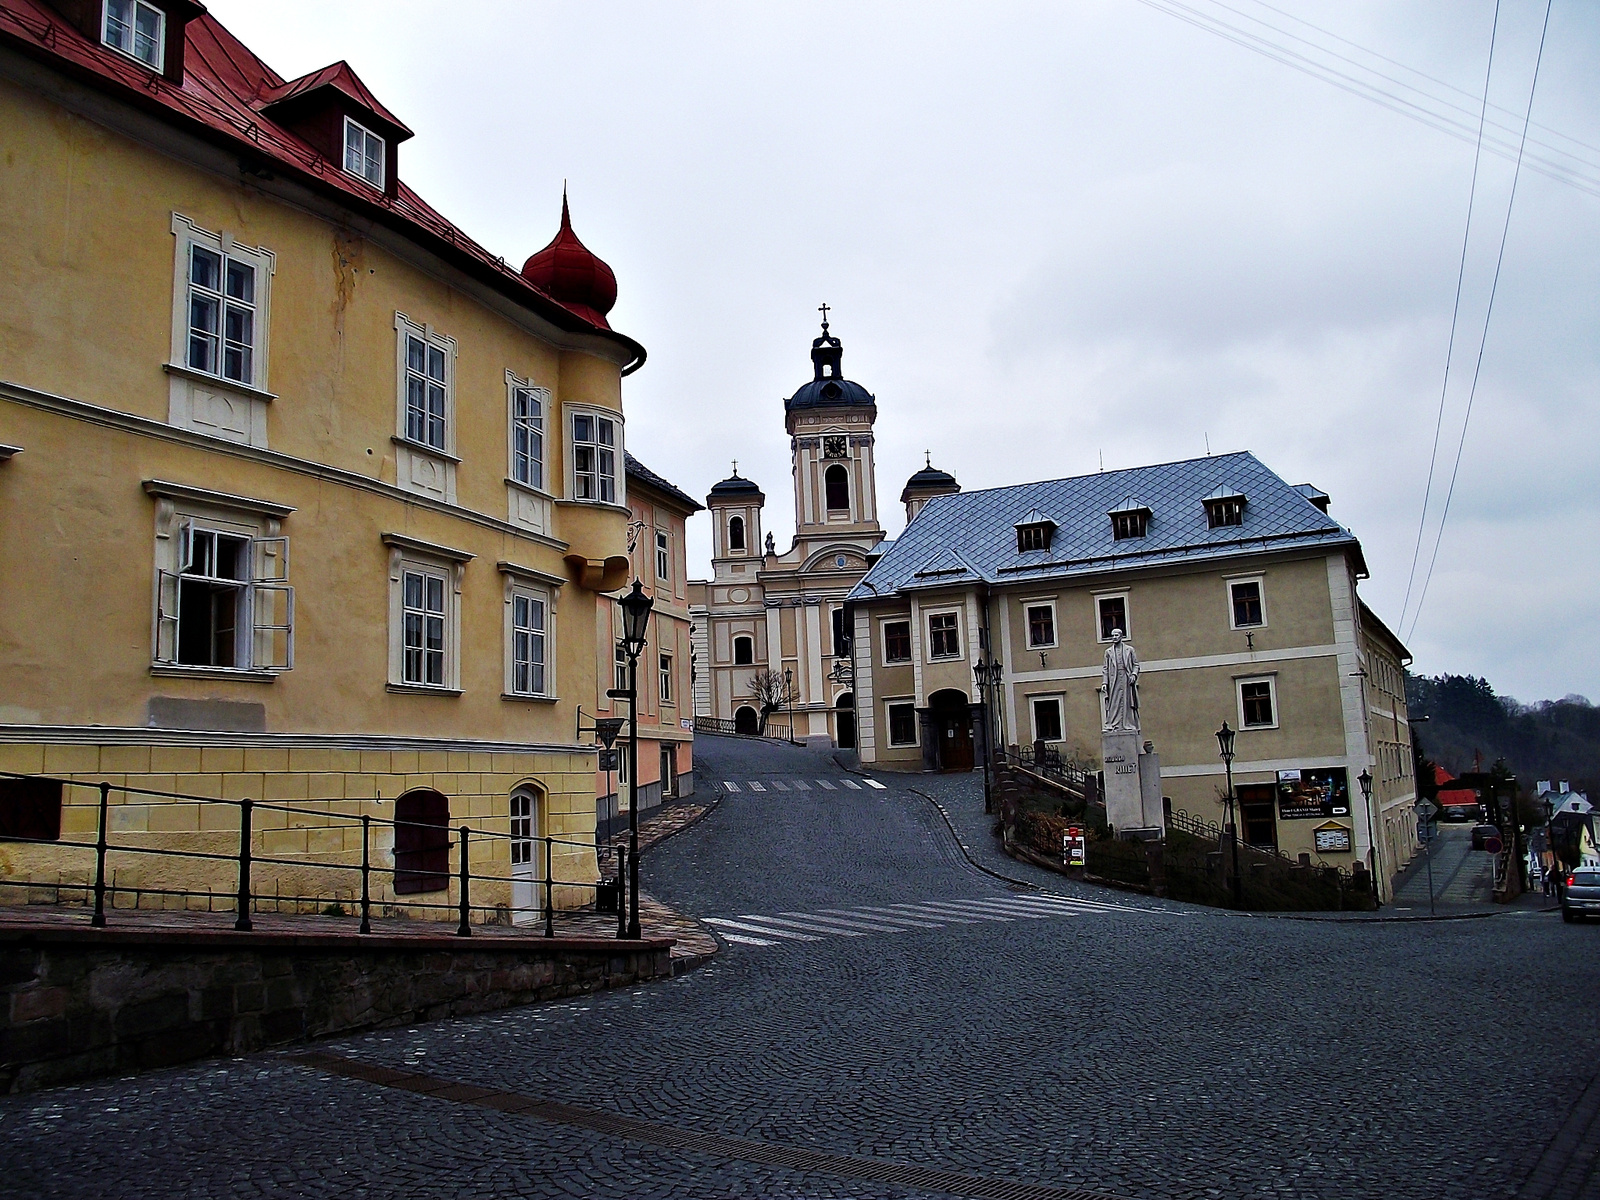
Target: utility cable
point(1473, 392)
point(1455, 314)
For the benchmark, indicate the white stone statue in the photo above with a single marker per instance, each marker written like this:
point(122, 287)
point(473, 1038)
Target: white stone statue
point(1120, 685)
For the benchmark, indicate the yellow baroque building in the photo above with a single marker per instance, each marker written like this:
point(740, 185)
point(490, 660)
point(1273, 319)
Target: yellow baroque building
point(307, 498)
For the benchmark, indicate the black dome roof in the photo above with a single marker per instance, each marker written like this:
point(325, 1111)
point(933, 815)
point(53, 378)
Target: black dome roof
point(735, 485)
point(829, 388)
point(930, 479)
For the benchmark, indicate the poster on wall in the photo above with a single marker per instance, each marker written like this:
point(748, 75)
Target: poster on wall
point(1333, 838)
point(1311, 792)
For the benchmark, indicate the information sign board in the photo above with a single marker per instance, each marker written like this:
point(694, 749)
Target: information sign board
point(1310, 792)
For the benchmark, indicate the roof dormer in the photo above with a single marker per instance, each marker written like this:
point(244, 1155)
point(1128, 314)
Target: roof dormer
point(344, 122)
point(148, 32)
point(1034, 532)
point(1130, 519)
point(1225, 506)
point(1316, 495)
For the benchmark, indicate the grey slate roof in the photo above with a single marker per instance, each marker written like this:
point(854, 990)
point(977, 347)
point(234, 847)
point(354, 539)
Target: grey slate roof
point(637, 470)
point(971, 536)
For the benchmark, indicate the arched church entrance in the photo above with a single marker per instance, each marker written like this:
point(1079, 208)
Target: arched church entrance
point(746, 721)
point(950, 716)
point(845, 720)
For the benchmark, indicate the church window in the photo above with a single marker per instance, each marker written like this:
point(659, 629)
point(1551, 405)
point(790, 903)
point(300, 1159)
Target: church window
point(1258, 704)
point(1046, 718)
point(902, 723)
point(1113, 613)
point(944, 639)
point(1041, 625)
point(735, 533)
point(1245, 597)
point(835, 447)
point(744, 651)
point(897, 641)
point(836, 483)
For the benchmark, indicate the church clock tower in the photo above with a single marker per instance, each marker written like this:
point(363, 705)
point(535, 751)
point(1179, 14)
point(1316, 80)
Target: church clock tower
point(830, 423)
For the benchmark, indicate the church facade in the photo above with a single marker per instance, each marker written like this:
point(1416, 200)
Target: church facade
point(782, 615)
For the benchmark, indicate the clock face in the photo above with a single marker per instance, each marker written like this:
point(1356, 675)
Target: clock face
point(835, 447)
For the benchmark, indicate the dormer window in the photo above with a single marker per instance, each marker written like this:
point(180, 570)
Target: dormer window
point(1224, 508)
point(1034, 532)
point(136, 29)
point(363, 153)
point(1131, 520)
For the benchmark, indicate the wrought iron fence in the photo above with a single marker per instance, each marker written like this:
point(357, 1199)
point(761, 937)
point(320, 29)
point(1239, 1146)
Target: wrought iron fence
point(1048, 761)
point(770, 729)
point(1268, 856)
point(432, 860)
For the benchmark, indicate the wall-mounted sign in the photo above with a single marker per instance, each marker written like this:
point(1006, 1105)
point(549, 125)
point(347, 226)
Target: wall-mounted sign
point(1333, 838)
point(1313, 792)
point(685, 723)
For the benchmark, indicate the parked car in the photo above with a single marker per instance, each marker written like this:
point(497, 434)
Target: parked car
point(1482, 833)
point(1458, 812)
point(1581, 896)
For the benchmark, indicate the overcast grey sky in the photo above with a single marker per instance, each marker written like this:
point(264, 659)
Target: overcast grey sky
point(1055, 231)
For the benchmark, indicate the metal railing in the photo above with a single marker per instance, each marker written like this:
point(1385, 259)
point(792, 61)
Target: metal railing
point(1270, 856)
point(245, 899)
point(772, 729)
point(1048, 761)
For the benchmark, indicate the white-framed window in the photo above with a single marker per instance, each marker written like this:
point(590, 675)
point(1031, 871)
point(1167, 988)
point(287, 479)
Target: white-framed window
point(223, 600)
point(424, 615)
point(663, 556)
point(596, 450)
point(896, 642)
point(665, 682)
point(524, 826)
point(944, 635)
point(621, 752)
point(735, 533)
point(425, 375)
point(1258, 702)
point(1246, 603)
point(530, 618)
point(1046, 712)
point(744, 651)
point(527, 406)
point(363, 153)
point(136, 29)
point(619, 669)
point(221, 294)
point(1111, 612)
point(1041, 620)
point(901, 718)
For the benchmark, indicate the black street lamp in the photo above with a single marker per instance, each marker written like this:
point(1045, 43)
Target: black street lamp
point(1225, 738)
point(606, 730)
point(636, 608)
point(987, 676)
point(1365, 780)
point(788, 699)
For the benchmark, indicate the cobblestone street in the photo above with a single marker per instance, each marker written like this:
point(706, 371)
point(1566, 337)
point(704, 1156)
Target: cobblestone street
point(933, 1030)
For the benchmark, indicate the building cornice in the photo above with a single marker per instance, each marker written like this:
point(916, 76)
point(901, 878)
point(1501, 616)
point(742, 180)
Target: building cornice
point(111, 418)
point(138, 735)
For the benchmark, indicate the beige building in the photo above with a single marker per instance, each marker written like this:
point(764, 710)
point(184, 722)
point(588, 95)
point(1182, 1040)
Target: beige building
point(307, 496)
point(1239, 593)
point(765, 611)
point(658, 513)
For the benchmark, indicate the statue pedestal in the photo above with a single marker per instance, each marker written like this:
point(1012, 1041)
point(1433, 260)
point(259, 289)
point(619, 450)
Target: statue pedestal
point(1133, 785)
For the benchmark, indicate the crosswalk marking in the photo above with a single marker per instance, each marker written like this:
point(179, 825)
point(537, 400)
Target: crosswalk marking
point(723, 922)
point(780, 785)
point(893, 916)
point(851, 922)
point(730, 785)
point(851, 784)
point(824, 783)
point(804, 927)
point(800, 785)
point(757, 787)
point(749, 941)
point(873, 783)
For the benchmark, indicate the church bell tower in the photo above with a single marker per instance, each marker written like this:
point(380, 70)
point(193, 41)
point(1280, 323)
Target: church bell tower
point(830, 422)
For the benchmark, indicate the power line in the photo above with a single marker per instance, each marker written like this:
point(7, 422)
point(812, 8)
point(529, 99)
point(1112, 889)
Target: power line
point(1455, 314)
point(1473, 392)
point(1440, 122)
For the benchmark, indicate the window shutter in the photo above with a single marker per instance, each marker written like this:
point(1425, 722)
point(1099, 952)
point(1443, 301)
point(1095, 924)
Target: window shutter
point(272, 626)
point(269, 559)
point(167, 611)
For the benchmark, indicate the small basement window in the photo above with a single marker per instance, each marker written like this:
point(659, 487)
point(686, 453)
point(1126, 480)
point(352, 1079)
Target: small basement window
point(30, 810)
point(136, 29)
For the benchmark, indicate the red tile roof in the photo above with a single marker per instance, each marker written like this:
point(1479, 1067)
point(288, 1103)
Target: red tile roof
point(225, 88)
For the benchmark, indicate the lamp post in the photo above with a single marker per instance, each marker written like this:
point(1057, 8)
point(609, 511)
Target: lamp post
point(636, 608)
point(1225, 738)
point(606, 730)
point(987, 675)
point(788, 699)
point(1365, 780)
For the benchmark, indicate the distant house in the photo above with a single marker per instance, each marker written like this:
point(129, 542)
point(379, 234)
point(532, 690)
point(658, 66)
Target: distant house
point(1456, 803)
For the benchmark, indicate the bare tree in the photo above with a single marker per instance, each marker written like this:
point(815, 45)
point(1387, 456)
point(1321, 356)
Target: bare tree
point(773, 691)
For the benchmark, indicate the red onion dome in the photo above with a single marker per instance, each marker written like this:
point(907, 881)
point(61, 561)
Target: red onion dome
point(569, 274)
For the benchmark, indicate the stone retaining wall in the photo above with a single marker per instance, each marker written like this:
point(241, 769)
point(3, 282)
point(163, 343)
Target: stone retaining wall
point(76, 1003)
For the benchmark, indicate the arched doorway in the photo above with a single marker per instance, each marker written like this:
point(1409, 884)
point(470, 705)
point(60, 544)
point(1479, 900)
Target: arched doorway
point(746, 721)
point(950, 715)
point(421, 842)
point(527, 854)
point(845, 719)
